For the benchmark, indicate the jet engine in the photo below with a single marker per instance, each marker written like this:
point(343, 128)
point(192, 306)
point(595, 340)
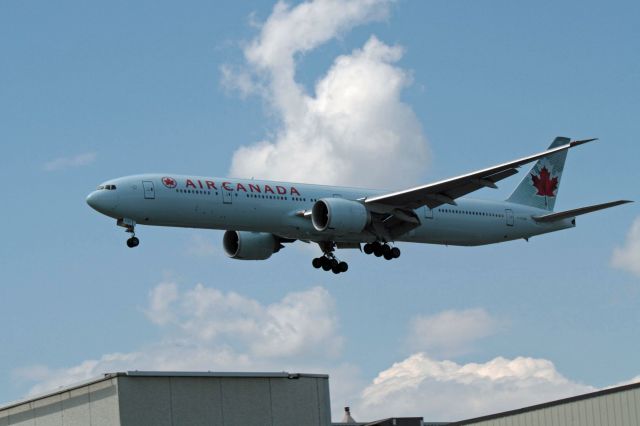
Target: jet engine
point(250, 245)
point(339, 215)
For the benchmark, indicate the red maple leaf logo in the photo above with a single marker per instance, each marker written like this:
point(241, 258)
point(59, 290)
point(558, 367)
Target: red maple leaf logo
point(169, 182)
point(543, 183)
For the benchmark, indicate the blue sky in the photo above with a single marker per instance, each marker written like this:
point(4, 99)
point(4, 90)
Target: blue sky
point(89, 92)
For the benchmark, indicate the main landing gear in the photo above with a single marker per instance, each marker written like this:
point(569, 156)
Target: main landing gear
point(328, 261)
point(130, 226)
point(385, 250)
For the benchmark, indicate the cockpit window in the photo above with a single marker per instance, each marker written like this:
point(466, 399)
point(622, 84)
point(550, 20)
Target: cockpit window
point(107, 187)
point(101, 187)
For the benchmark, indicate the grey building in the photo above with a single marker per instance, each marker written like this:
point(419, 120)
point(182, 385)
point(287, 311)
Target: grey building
point(190, 399)
point(619, 406)
point(616, 406)
point(276, 399)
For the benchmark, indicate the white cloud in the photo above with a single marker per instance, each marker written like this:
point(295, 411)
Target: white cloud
point(168, 356)
point(204, 247)
point(160, 299)
point(631, 381)
point(289, 31)
point(62, 163)
point(444, 390)
point(203, 328)
point(207, 329)
point(301, 323)
point(627, 257)
point(354, 129)
point(238, 79)
point(451, 332)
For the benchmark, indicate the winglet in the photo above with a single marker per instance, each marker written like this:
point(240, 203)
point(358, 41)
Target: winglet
point(576, 143)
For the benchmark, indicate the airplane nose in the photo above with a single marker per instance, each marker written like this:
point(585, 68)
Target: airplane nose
point(103, 201)
point(92, 200)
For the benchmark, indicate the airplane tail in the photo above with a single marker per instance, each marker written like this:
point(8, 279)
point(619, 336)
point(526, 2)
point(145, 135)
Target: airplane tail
point(539, 188)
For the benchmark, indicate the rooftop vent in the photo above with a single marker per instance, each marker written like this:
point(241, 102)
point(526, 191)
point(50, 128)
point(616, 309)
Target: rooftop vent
point(347, 416)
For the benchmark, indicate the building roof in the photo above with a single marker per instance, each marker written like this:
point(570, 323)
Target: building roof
point(548, 404)
point(108, 376)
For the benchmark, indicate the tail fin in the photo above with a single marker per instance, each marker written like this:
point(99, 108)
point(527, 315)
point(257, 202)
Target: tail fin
point(539, 188)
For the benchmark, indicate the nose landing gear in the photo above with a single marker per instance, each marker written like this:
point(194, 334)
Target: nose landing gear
point(133, 242)
point(130, 226)
point(382, 250)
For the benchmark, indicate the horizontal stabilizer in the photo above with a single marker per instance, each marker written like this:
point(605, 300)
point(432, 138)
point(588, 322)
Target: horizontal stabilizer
point(552, 217)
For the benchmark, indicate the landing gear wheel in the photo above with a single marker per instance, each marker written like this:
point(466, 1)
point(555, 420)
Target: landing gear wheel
point(368, 248)
point(340, 267)
point(388, 256)
point(326, 263)
point(133, 242)
point(395, 252)
point(386, 250)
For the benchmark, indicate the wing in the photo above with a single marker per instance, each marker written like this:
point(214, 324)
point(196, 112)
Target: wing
point(446, 191)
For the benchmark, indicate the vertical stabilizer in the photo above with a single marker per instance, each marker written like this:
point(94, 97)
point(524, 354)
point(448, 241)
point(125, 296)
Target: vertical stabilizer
point(540, 186)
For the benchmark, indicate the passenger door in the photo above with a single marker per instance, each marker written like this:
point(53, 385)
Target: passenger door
point(227, 196)
point(149, 191)
point(428, 213)
point(509, 215)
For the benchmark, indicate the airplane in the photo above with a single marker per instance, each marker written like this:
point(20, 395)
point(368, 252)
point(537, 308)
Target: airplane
point(260, 216)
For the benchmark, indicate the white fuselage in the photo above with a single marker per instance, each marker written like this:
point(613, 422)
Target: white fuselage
point(278, 208)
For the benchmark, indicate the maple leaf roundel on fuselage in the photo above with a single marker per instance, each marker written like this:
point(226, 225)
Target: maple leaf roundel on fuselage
point(169, 182)
point(544, 184)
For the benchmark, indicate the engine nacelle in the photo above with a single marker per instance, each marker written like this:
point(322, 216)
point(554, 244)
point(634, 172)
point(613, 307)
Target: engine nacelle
point(339, 215)
point(250, 245)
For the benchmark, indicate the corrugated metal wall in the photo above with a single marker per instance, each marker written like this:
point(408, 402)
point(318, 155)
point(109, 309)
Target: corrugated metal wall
point(620, 408)
point(92, 405)
point(219, 401)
